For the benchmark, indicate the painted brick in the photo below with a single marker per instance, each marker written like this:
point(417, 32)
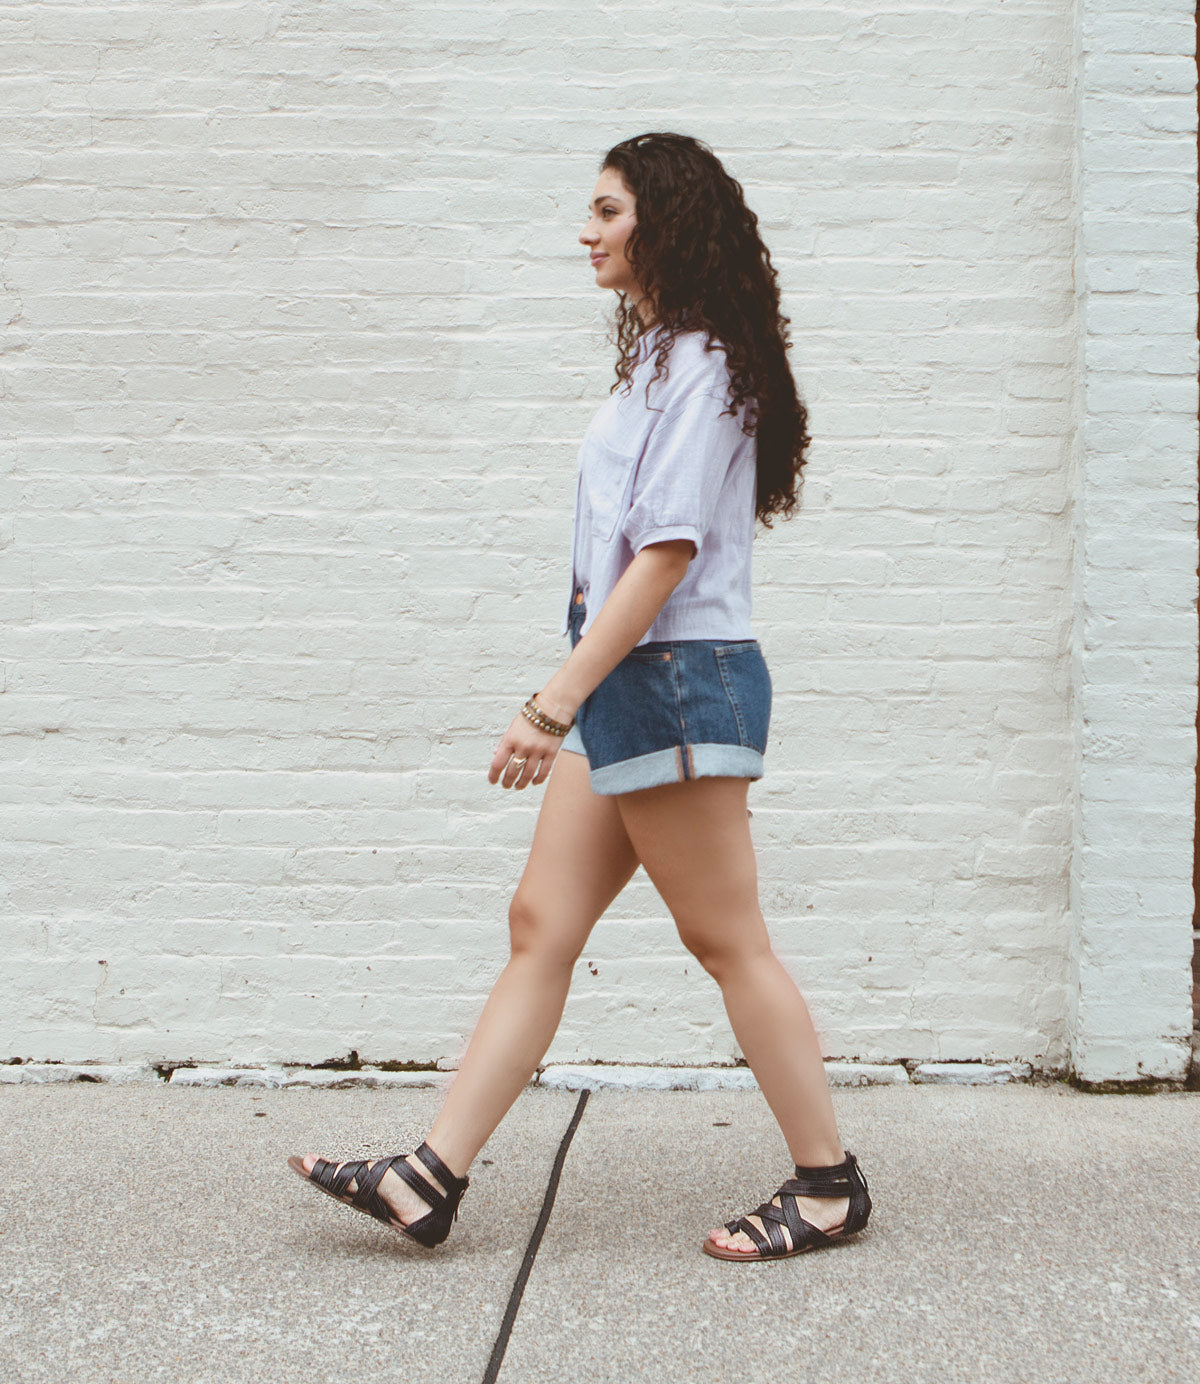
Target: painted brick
point(301, 347)
point(1134, 657)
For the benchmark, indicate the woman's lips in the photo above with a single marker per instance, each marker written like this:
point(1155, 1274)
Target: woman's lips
point(598, 259)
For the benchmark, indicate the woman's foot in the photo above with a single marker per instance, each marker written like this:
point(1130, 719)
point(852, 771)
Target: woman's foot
point(826, 1213)
point(403, 1203)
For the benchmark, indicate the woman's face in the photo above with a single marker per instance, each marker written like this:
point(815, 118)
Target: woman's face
point(613, 217)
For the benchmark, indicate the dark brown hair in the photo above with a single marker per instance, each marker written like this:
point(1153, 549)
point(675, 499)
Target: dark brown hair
point(696, 251)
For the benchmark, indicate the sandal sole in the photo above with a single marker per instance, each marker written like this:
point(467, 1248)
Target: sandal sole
point(296, 1163)
point(757, 1256)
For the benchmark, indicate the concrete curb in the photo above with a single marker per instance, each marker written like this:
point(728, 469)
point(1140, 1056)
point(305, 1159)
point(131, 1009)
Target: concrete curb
point(556, 1077)
point(615, 1078)
point(970, 1073)
point(327, 1078)
point(41, 1073)
point(584, 1077)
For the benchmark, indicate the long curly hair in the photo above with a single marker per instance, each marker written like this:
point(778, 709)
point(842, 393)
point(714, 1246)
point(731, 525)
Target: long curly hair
point(696, 252)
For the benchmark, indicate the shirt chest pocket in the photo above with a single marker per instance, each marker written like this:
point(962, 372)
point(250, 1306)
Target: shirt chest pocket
point(607, 480)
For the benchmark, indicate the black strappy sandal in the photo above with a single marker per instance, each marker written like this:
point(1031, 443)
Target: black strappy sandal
point(842, 1179)
point(428, 1230)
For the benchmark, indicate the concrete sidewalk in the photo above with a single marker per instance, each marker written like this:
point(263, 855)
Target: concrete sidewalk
point(1021, 1233)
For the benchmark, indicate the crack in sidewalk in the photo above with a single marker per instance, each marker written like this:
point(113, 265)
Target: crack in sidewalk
point(531, 1249)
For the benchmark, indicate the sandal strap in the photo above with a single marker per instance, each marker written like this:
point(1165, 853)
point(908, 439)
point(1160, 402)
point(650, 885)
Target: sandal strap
point(367, 1175)
point(761, 1242)
point(802, 1232)
point(833, 1180)
point(337, 1180)
point(367, 1197)
point(326, 1174)
point(441, 1171)
point(842, 1179)
point(775, 1217)
point(420, 1184)
point(429, 1229)
point(440, 1203)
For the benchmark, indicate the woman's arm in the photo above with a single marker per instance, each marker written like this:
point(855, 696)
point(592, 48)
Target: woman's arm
point(631, 608)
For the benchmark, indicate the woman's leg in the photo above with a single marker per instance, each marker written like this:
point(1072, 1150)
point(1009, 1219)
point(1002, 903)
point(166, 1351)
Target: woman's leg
point(579, 861)
point(694, 840)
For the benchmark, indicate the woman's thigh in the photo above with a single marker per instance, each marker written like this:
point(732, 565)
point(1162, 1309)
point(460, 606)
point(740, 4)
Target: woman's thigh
point(579, 861)
point(694, 840)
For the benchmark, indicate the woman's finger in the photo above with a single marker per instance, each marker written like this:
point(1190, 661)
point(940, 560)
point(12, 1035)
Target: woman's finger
point(515, 768)
point(530, 770)
point(523, 756)
point(504, 753)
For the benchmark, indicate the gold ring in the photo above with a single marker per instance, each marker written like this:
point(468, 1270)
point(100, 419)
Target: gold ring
point(512, 759)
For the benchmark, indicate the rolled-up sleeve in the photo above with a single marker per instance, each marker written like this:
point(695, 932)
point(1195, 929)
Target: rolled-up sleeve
point(681, 472)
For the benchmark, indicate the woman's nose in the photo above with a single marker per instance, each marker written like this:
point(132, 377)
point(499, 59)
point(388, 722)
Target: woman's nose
point(587, 236)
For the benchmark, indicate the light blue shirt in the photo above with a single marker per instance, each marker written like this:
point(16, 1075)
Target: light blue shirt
point(678, 468)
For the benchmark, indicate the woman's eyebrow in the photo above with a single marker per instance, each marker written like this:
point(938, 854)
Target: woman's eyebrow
point(607, 197)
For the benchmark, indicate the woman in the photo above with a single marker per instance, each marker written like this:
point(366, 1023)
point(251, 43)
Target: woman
point(657, 720)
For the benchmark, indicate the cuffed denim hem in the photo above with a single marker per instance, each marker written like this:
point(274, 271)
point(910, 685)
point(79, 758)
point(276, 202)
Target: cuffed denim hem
point(675, 766)
point(573, 741)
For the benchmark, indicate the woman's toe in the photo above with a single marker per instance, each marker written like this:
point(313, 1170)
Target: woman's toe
point(724, 1240)
point(303, 1163)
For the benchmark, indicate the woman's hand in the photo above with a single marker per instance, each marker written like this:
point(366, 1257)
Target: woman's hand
point(523, 740)
point(631, 608)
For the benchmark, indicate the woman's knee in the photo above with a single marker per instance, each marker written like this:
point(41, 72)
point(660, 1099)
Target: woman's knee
point(723, 950)
point(534, 929)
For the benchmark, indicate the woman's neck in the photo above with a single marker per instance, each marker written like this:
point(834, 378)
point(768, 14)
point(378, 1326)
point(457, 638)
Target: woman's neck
point(644, 307)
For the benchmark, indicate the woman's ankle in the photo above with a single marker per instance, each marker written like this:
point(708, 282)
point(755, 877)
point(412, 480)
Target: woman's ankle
point(821, 1156)
point(455, 1156)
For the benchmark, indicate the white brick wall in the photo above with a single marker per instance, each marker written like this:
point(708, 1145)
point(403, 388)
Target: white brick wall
point(301, 345)
point(1135, 542)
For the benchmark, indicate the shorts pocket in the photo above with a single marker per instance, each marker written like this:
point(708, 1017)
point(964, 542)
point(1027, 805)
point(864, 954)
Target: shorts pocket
point(634, 711)
point(747, 684)
point(657, 651)
point(607, 475)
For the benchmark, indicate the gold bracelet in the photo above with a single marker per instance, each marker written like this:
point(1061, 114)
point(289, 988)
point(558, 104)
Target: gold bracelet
point(532, 712)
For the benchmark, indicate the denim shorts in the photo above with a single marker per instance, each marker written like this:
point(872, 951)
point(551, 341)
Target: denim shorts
point(673, 710)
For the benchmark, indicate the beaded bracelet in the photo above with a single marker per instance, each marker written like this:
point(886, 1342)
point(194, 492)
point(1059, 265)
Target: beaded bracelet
point(532, 712)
